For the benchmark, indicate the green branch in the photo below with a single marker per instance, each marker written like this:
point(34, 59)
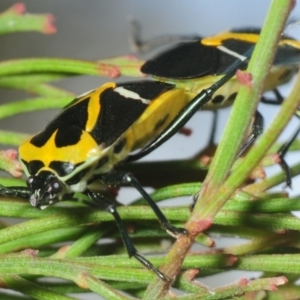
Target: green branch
point(213, 196)
point(15, 20)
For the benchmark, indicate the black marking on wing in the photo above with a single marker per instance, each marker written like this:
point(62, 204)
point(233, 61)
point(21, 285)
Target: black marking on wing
point(285, 54)
point(147, 89)
point(74, 116)
point(226, 60)
point(254, 30)
point(40, 139)
point(118, 113)
point(194, 60)
point(67, 136)
point(186, 60)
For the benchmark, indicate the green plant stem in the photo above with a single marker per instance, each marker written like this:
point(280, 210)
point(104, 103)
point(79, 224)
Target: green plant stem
point(265, 221)
point(172, 191)
point(12, 182)
point(13, 20)
point(278, 205)
point(12, 138)
point(128, 65)
point(236, 289)
point(40, 103)
point(287, 110)
point(72, 218)
point(249, 203)
point(208, 207)
point(103, 289)
point(59, 217)
point(287, 292)
point(187, 283)
point(260, 244)
point(63, 287)
point(4, 295)
point(83, 243)
point(30, 289)
point(201, 261)
point(41, 240)
point(60, 67)
point(35, 84)
point(278, 263)
point(67, 269)
point(106, 267)
point(57, 66)
point(271, 181)
point(279, 223)
point(215, 193)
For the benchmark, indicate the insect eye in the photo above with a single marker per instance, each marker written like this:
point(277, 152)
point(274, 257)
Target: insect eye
point(56, 187)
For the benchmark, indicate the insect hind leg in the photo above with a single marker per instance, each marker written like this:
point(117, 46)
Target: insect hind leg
point(282, 152)
point(257, 129)
point(101, 202)
point(277, 101)
point(119, 178)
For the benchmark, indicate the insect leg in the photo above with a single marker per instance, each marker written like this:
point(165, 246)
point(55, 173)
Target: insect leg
point(15, 191)
point(257, 129)
point(118, 178)
point(283, 164)
point(282, 151)
point(212, 134)
point(104, 203)
point(277, 101)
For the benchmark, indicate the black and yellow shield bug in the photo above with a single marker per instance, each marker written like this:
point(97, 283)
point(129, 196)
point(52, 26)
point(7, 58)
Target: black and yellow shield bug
point(98, 130)
point(196, 65)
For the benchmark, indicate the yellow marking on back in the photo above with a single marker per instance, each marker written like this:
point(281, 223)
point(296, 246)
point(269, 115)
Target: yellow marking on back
point(94, 105)
point(293, 43)
point(165, 107)
point(82, 151)
point(218, 39)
